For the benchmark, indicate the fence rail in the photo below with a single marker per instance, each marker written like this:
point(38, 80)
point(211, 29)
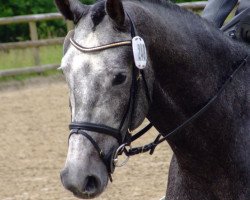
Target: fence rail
point(30, 18)
point(36, 43)
point(31, 44)
point(28, 70)
point(199, 5)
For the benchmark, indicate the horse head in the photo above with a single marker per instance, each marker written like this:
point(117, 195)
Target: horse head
point(107, 93)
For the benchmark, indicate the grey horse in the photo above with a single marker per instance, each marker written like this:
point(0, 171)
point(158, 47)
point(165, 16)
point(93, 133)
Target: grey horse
point(188, 62)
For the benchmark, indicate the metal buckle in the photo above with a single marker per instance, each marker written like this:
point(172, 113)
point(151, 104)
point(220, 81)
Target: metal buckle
point(118, 152)
point(139, 76)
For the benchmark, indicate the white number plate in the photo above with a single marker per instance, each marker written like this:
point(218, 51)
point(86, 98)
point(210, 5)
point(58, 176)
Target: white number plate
point(140, 52)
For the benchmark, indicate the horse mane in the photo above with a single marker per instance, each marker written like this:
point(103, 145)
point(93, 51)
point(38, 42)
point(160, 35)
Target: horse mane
point(98, 10)
point(161, 3)
point(158, 2)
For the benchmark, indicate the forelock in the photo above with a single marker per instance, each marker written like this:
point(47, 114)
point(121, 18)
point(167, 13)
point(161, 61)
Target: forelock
point(98, 13)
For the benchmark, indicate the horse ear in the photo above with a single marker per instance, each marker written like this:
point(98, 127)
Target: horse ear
point(115, 11)
point(71, 9)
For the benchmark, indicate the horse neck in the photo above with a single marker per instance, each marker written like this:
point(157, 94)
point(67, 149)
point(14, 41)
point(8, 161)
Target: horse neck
point(191, 60)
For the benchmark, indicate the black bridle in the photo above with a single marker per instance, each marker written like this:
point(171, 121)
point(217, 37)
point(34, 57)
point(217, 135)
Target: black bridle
point(122, 134)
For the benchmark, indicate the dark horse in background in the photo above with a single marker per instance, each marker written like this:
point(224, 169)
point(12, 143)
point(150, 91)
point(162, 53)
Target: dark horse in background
point(188, 62)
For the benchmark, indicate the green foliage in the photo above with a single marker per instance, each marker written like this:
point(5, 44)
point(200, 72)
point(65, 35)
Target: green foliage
point(22, 7)
point(20, 32)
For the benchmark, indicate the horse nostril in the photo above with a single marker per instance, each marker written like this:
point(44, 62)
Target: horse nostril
point(81, 186)
point(64, 175)
point(66, 181)
point(91, 185)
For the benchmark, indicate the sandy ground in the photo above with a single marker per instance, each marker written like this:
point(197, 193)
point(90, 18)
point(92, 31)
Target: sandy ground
point(33, 147)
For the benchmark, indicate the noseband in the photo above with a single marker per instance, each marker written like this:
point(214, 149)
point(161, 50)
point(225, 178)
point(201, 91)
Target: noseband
point(122, 134)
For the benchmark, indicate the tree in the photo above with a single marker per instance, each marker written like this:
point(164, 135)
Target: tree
point(19, 32)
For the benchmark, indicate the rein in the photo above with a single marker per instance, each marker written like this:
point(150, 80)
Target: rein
point(124, 138)
point(151, 146)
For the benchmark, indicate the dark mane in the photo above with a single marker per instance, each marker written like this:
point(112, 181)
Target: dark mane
point(98, 13)
point(158, 2)
point(98, 10)
point(162, 3)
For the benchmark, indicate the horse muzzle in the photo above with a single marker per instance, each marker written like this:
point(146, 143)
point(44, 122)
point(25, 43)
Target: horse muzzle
point(85, 187)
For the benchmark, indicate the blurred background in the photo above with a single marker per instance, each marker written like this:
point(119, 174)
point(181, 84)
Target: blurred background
point(31, 34)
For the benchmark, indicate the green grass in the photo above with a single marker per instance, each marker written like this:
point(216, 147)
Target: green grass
point(24, 57)
point(22, 78)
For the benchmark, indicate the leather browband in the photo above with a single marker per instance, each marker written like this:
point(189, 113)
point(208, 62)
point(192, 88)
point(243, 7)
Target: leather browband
point(99, 48)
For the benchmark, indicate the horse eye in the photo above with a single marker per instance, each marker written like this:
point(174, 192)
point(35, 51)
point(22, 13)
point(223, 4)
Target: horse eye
point(119, 79)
